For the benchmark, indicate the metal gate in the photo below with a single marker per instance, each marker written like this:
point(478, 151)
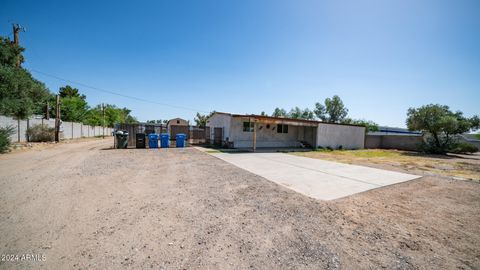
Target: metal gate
point(207, 135)
point(174, 130)
point(197, 135)
point(218, 136)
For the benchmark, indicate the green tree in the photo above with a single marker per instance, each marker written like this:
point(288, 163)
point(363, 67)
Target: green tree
point(370, 126)
point(298, 113)
point(73, 109)
point(279, 112)
point(93, 117)
point(68, 91)
point(113, 115)
point(201, 119)
point(10, 52)
point(440, 125)
point(20, 94)
point(333, 111)
point(126, 117)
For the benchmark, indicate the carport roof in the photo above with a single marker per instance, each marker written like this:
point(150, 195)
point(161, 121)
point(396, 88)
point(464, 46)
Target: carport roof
point(264, 117)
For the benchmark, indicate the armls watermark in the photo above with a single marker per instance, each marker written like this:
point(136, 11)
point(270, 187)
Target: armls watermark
point(23, 257)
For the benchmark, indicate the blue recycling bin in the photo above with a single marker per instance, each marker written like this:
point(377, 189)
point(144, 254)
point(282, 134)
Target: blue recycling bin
point(180, 139)
point(153, 140)
point(164, 140)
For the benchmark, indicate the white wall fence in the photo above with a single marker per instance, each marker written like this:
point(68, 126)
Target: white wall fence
point(68, 130)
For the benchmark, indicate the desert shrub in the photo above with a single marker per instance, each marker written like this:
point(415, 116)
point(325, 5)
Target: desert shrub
point(5, 133)
point(41, 133)
point(430, 146)
point(464, 147)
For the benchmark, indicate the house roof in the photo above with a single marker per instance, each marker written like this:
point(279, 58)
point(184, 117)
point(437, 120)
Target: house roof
point(265, 117)
point(175, 119)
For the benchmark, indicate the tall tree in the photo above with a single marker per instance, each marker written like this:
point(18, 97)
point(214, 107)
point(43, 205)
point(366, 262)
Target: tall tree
point(298, 113)
point(370, 126)
point(113, 115)
point(333, 111)
point(73, 109)
point(201, 119)
point(440, 125)
point(68, 91)
point(20, 94)
point(10, 52)
point(279, 112)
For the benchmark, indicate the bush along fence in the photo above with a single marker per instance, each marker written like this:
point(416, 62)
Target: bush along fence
point(68, 130)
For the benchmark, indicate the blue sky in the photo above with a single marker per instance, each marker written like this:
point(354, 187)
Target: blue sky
point(380, 57)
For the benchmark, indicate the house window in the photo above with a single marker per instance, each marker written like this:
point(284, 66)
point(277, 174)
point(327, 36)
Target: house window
point(248, 126)
point(178, 121)
point(282, 128)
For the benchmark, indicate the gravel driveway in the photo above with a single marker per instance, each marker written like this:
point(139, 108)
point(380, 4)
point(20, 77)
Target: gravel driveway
point(82, 206)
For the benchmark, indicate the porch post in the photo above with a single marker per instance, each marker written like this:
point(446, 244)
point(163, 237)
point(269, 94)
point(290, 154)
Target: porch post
point(254, 136)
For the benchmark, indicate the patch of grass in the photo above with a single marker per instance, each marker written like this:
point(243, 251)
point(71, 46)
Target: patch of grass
point(477, 136)
point(320, 150)
point(362, 153)
point(213, 151)
point(403, 160)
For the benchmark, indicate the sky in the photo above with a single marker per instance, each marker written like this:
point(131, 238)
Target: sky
point(248, 56)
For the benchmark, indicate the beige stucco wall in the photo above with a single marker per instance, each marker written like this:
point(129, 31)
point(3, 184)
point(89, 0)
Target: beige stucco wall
point(334, 136)
point(267, 137)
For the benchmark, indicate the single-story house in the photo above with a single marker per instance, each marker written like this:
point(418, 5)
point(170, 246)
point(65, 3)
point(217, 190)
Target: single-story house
point(258, 131)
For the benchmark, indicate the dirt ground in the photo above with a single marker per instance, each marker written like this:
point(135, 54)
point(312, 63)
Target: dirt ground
point(83, 206)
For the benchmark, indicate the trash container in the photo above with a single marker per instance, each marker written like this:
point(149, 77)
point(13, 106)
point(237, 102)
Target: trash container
point(153, 140)
point(164, 140)
point(180, 138)
point(140, 140)
point(122, 139)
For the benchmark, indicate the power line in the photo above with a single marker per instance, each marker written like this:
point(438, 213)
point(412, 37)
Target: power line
point(118, 94)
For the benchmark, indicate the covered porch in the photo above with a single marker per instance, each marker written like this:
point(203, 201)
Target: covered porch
point(263, 132)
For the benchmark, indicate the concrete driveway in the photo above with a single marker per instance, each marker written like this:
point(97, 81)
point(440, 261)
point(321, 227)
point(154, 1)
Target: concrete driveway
point(319, 179)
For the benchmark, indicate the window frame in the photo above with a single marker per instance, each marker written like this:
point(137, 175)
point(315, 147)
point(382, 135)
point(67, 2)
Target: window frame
point(282, 128)
point(248, 126)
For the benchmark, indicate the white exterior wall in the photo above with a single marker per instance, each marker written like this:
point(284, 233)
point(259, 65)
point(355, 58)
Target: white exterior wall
point(219, 120)
point(334, 136)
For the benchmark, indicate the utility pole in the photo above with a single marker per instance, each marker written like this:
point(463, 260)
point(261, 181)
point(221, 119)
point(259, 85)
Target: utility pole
point(103, 112)
point(16, 40)
point(47, 111)
point(57, 119)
